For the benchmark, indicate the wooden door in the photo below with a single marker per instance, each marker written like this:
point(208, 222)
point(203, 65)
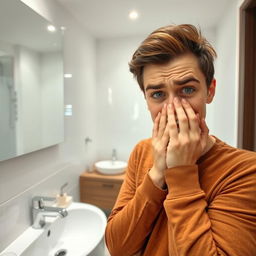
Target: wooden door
point(247, 77)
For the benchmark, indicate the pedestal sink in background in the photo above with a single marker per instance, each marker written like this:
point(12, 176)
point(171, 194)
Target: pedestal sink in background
point(81, 233)
point(110, 167)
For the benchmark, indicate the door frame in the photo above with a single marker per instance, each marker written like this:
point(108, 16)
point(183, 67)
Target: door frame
point(247, 76)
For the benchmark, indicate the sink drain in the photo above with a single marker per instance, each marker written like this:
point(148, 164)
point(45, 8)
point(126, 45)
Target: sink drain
point(61, 252)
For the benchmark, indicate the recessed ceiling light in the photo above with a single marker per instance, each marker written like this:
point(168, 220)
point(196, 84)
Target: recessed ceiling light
point(68, 75)
point(51, 28)
point(133, 15)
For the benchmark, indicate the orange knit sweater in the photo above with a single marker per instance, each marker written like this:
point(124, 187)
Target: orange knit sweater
point(208, 209)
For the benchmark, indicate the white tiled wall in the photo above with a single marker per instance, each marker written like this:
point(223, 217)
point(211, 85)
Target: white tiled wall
point(123, 117)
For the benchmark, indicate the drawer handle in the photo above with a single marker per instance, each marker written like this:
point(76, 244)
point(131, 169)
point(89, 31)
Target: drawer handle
point(107, 185)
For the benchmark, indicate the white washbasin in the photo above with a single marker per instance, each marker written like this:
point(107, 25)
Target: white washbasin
point(111, 167)
point(81, 233)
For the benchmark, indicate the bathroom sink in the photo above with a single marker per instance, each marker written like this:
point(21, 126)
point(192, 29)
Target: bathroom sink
point(110, 167)
point(81, 233)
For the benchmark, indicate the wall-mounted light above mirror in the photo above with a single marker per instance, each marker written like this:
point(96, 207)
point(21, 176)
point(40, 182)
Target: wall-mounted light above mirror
point(31, 81)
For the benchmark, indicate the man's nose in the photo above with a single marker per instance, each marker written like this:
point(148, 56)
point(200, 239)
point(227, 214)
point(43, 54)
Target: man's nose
point(170, 98)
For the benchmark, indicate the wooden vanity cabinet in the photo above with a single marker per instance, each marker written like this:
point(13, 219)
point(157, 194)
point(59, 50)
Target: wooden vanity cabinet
point(100, 190)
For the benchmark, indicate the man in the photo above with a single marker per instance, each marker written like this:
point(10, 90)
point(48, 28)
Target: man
point(186, 193)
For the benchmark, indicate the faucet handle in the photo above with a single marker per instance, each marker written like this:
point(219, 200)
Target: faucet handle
point(38, 201)
point(62, 188)
point(35, 204)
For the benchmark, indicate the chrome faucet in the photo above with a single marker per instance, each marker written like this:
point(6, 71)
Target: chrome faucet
point(114, 155)
point(40, 211)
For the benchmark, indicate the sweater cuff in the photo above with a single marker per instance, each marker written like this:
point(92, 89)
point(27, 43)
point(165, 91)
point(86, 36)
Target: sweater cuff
point(182, 181)
point(150, 192)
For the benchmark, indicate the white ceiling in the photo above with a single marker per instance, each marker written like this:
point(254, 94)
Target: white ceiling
point(109, 18)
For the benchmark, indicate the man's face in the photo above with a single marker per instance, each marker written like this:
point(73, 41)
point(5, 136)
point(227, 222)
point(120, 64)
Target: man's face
point(182, 78)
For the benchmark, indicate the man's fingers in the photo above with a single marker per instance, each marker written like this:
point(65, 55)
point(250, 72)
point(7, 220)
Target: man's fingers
point(162, 123)
point(204, 130)
point(156, 124)
point(172, 125)
point(182, 117)
point(193, 119)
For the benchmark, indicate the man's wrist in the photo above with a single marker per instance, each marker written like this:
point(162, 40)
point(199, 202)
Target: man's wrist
point(157, 178)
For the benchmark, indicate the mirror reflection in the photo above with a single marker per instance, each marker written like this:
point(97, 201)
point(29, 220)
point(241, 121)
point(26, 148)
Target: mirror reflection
point(31, 81)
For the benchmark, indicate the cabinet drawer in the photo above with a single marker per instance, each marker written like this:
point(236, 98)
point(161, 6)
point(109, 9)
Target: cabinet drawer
point(100, 193)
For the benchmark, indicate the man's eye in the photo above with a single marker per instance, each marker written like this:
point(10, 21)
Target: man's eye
point(157, 95)
point(187, 90)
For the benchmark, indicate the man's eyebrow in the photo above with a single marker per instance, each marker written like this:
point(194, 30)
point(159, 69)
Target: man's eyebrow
point(154, 87)
point(186, 80)
point(177, 82)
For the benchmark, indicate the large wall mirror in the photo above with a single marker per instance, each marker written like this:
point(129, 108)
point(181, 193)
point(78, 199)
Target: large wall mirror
point(31, 81)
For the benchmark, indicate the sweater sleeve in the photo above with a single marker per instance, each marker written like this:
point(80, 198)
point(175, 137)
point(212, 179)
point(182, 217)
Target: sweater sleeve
point(134, 213)
point(226, 226)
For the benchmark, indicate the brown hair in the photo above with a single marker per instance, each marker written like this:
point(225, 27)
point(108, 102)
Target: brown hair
point(171, 41)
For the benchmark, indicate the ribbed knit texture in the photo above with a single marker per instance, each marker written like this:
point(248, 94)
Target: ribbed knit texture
point(208, 208)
